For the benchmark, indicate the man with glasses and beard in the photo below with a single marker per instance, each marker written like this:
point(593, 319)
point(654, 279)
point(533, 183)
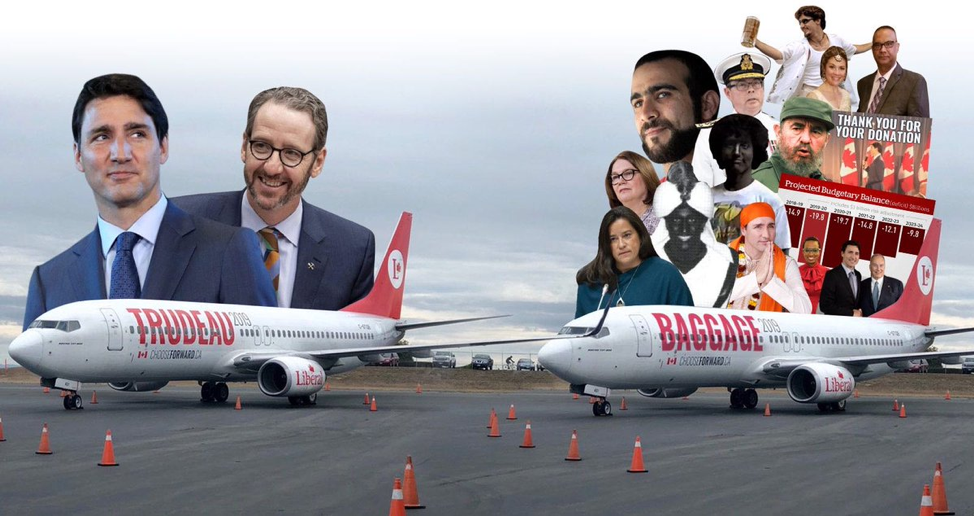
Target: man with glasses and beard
point(802, 134)
point(672, 92)
point(316, 259)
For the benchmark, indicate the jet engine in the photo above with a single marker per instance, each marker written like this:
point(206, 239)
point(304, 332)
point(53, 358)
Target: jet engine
point(290, 376)
point(137, 386)
point(820, 383)
point(667, 393)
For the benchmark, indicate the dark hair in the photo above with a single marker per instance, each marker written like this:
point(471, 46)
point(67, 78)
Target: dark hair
point(877, 146)
point(812, 11)
point(829, 54)
point(811, 239)
point(850, 242)
point(646, 171)
point(887, 27)
point(120, 84)
point(700, 78)
point(602, 270)
point(298, 99)
point(740, 125)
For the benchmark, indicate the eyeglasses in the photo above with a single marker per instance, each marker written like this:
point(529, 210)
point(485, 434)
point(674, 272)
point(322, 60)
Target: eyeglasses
point(625, 176)
point(289, 157)
point(748, 85)
point(811, 249)
point(887, 44)
point(804, 21)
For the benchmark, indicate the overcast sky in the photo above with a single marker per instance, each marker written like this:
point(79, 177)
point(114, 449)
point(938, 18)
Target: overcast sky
point(493, 124)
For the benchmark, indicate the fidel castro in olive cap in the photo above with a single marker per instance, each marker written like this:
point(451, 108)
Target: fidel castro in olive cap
point(801, 135)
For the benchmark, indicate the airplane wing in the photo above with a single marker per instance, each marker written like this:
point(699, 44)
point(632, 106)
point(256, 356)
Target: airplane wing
point(413, 326)
point(252, 360)
point(782, 367)
point(931, 332)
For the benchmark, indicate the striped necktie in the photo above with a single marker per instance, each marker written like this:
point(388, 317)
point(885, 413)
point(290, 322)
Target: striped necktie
point(874, 105)
point(125, 275)
point(272, 257)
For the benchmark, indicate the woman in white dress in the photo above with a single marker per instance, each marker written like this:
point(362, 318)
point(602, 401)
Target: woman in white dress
point(835, 67)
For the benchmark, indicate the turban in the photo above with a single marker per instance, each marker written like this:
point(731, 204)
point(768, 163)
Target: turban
point(668, 198)
point(755, 211)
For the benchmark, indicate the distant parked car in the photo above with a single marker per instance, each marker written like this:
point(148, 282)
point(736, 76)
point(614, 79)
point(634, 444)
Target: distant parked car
point(967, 366)
point(525, 364)
point(444, 359)
point(482, 362)
point(917, 366)
point(388, 359)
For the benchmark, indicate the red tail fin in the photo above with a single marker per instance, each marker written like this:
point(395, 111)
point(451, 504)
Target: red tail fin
point(915, 304)
point(386, 296)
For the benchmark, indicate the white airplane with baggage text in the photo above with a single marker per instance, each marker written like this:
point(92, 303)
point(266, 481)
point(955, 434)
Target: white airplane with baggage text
point(671, 351)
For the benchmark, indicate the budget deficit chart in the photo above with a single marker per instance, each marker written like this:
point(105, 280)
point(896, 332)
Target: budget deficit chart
point(890, 224)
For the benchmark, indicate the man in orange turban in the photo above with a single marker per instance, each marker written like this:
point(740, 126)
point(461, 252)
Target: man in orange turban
point(767, 279)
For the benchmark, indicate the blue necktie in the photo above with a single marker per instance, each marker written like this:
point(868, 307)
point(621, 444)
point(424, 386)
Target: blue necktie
point(875, 295)
point(125, 276)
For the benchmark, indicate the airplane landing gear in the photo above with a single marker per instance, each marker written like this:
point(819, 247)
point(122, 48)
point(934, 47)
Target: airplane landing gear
point(602, 407)
point(73, 402)
point(216, 392)
point(297, 401)
point(737, 398)
point(743, 398)
point(750, 398)
point(838, 406)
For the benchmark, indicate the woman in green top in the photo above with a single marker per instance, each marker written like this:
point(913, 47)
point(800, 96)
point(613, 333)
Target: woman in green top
point(626, 270)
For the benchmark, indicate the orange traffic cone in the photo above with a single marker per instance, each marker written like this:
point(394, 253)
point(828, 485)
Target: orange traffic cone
point(939, 492)
point(591, 400)
point(397, 507)
point(494, 428)
point(767, 410)
point(903, 410)
point(366, 402)
point(947, 396)
point(637, 459)
point(237, 406)
point(45, 447)
point(409, 494)
point(47, 390)
point(493, 415)
point(896, 405)
point(108, 455)
point(64, 394)
point(573, 448)
point(373, 408)
point(623, 406)
point(855, 394)
point(94, 398)
point(327, 386)
point(926, 503)
point(574, 395)
point(511, 416)
point(528, 442)
point(419, 389)
point(1, 430)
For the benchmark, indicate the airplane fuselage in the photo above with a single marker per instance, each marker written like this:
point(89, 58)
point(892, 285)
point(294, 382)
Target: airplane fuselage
point(142, 340)
point(650, 347)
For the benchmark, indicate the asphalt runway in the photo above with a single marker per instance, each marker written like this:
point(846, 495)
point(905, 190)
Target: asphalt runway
point(178, 456)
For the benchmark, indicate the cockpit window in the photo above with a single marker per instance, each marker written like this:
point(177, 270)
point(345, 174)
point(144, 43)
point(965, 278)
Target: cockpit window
point(65, 326)
point(604, 332)
point(68, 326)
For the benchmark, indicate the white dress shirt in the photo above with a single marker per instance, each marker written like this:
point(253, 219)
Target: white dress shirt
point(287, 245)
point(147, 227)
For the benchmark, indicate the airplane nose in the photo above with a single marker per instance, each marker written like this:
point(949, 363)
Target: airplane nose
point(556, 356)
point(27, 348)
